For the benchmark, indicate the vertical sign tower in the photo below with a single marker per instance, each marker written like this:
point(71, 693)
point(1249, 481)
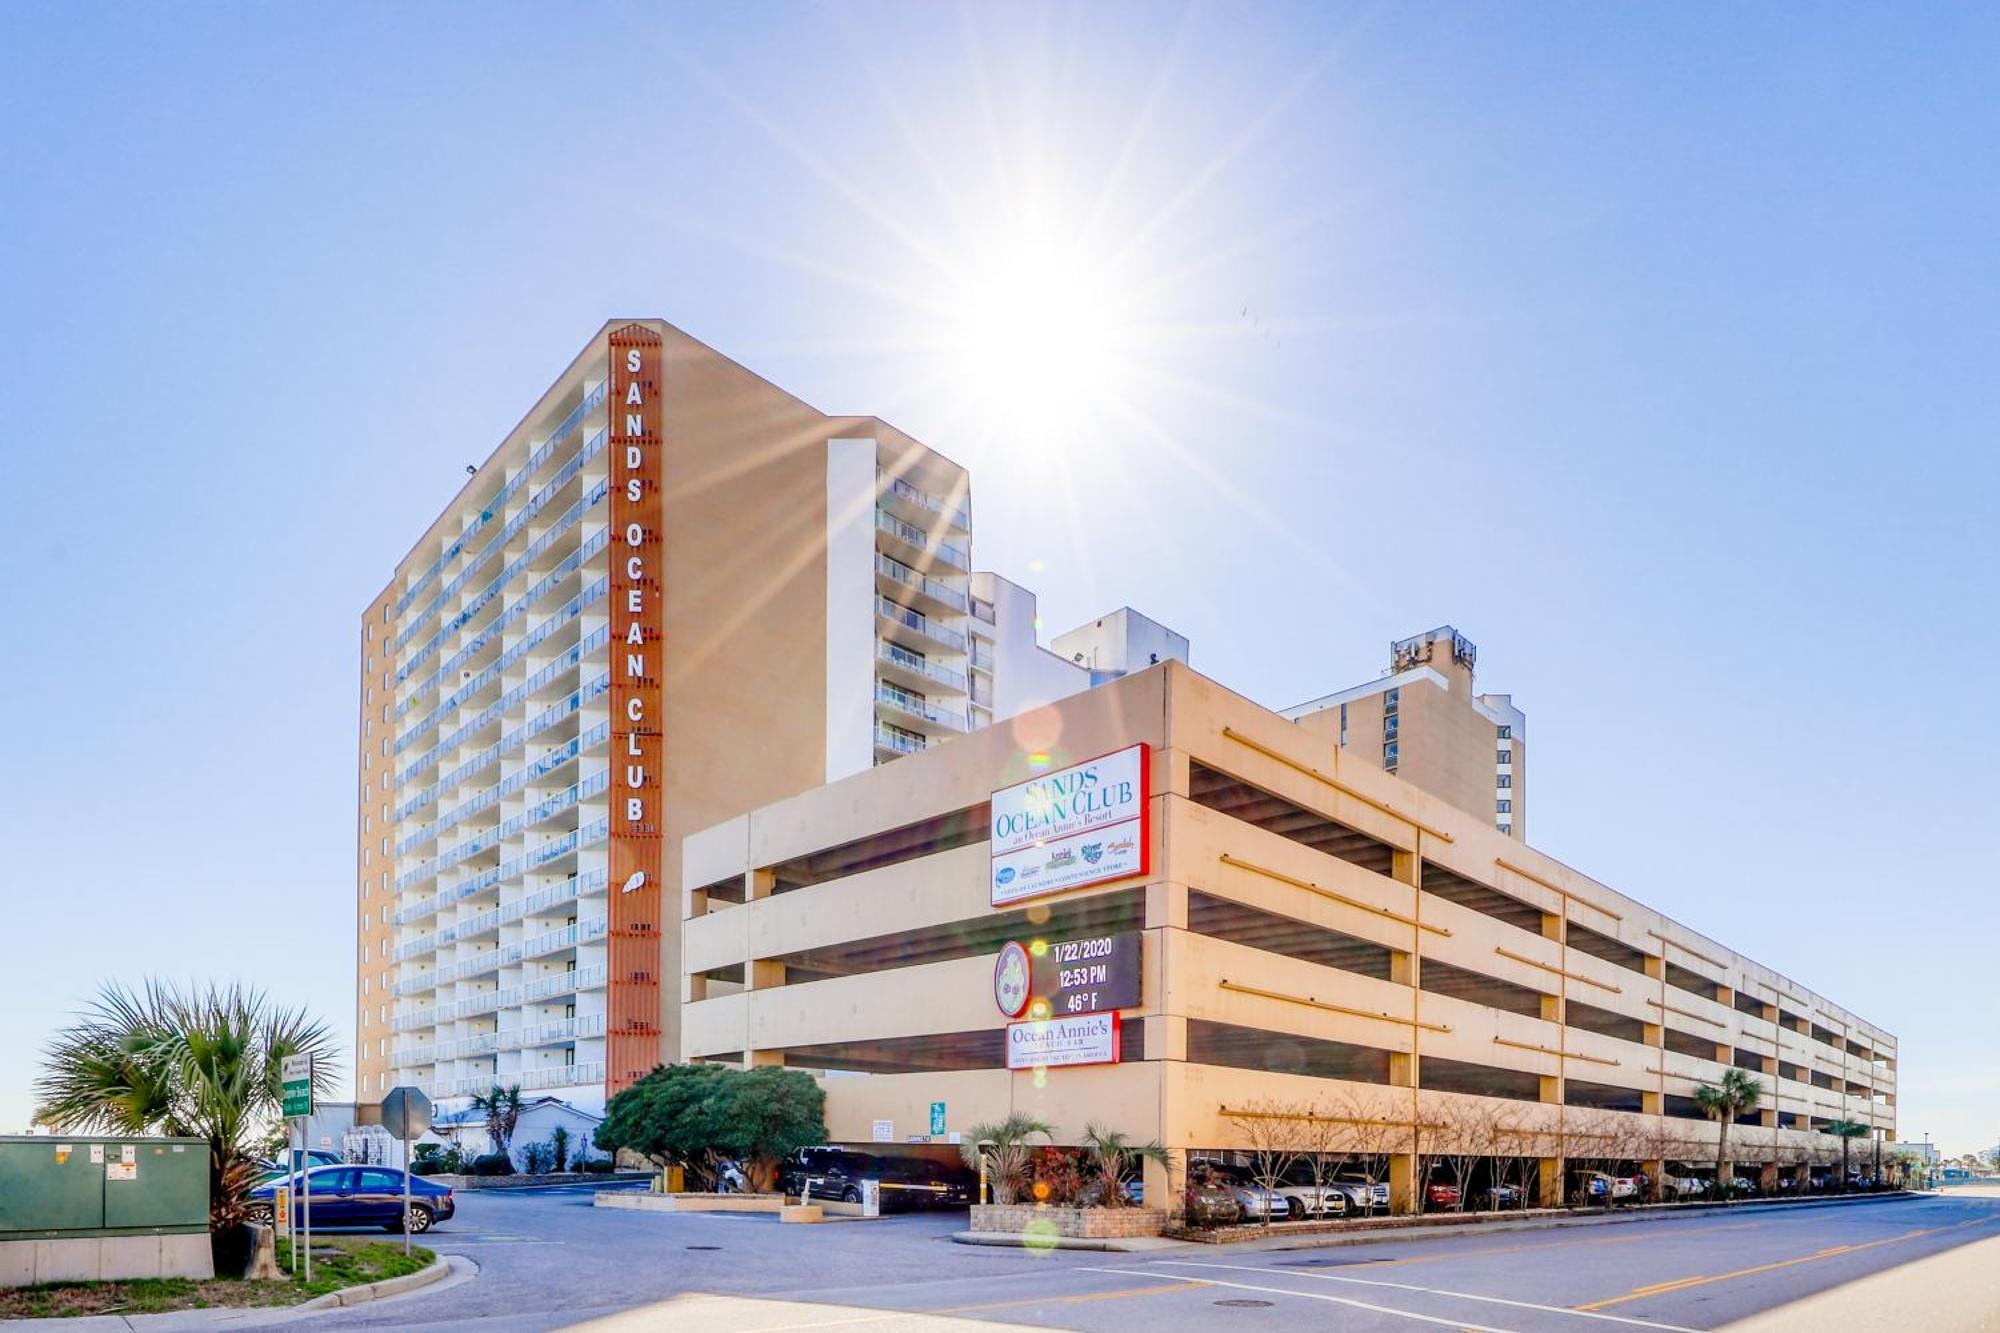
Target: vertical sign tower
point(632, 1043)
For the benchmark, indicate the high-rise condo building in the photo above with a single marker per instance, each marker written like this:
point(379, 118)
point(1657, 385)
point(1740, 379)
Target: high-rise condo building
point(1425, 722)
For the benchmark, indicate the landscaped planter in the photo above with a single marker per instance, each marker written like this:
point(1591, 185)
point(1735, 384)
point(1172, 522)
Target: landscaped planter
point(1072, 1223)
point(522, 1180)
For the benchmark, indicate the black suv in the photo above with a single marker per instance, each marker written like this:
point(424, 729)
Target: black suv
point(905, 1182)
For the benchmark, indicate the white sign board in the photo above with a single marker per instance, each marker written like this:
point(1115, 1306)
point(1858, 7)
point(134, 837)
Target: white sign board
point(885, 1131)
point(1052, 1043)
point(1084, 824)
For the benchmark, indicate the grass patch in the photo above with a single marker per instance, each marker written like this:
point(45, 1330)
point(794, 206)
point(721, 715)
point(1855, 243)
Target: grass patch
point(338, 1261)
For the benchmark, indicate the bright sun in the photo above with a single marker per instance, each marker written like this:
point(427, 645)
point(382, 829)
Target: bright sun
point(1039, 339)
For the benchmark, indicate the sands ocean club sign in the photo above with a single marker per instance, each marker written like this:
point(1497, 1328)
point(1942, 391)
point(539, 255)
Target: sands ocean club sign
point(1085, 824)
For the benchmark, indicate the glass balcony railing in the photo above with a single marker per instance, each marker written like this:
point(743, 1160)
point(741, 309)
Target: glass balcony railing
point(897, 655)
point(569, 471)
point(921, 623)
point(898, 740)
point(562, 1076)
point(562, 800)
point(923, 499)
point(541, 455)
point(949, 552)
point(511, 740)
point(905, 702)
point(892, 568)
point(516, 739)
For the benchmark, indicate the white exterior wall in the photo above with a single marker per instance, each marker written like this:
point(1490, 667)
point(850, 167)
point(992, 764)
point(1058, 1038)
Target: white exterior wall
point(1025, 675)
point(1120, 642)
point(850, 606)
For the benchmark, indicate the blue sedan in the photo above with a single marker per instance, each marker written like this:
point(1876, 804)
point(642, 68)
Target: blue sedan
point(357, 1196)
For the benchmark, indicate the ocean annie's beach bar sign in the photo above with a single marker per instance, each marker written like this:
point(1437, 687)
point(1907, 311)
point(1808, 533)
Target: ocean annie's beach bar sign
point(1085, 824)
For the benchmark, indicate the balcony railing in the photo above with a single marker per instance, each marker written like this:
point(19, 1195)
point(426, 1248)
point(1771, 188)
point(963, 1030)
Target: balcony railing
point(563, 1076)
point(923, 499)
point(949, 552)
point(507, 492)
point(901, 742)
point(910, 704)
point(921, 623)
point(890, 567)
point(897, 655)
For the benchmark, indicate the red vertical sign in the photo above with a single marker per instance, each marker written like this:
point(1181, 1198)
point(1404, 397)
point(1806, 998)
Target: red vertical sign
point(632, 1043)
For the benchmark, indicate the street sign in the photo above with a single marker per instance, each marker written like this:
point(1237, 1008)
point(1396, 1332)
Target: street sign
point(296, 1075)
point(937, 1117)
point(406, 1113)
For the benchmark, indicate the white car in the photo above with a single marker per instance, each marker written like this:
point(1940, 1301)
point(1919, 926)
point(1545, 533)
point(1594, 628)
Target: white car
point(1309, 1200)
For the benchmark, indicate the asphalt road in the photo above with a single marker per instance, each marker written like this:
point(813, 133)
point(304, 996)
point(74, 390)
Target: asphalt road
point(548, 1260)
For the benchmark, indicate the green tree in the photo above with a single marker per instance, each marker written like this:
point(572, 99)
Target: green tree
point(197, 1063)
point(1009, 1141)
point(1116, 1154)
point(503, 1113)
point(1735, 1094)
point(1846, 1131)
point(693, 1115)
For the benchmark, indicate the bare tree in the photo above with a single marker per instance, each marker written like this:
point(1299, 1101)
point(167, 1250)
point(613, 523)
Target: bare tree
point(1327, 1139)
point(1461, 1130)
point(1273, 1136)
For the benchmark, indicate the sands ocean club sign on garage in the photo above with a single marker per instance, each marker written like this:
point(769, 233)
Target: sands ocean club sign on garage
point(1085, 824)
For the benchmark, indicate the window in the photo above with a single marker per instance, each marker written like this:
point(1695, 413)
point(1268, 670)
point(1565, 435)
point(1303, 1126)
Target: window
point(1505, 828)
point(1504, 781)
point(1503, 807)
point(364, 953)
point(364, 985)
point(1503, 757)
point(1391, 701)
point(1506, 733)
point(1389, 755)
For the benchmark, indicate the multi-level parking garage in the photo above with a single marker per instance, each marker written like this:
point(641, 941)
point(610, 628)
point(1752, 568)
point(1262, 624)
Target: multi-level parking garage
point(1297, 940)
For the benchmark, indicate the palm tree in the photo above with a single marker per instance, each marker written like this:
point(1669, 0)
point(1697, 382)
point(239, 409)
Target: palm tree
point(1846, 1131)
point(200, 1064)
point(1115, 1153)
point(1008, 1140)
point(503, 1113)
point(1736, 1094)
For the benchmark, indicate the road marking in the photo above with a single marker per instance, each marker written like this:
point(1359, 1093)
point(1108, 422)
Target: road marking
point(1430, 1291)
point(1323, 1296)
point(1165, 1284)
point(1705, 1279)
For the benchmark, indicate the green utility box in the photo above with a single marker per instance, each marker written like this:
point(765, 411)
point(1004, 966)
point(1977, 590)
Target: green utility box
point(86, 1207)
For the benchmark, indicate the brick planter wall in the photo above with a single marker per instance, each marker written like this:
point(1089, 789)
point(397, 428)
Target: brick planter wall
point(1074, 1223)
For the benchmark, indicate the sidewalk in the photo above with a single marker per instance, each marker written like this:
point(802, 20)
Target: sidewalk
point(1957, 1291)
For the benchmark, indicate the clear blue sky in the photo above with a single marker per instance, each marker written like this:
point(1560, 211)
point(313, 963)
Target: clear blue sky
point(1653, 347)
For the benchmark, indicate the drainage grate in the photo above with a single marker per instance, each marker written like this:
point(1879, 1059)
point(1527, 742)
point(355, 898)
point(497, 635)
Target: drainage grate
point(1328, 1263)
point(1242, 1304)
point(701, 1247)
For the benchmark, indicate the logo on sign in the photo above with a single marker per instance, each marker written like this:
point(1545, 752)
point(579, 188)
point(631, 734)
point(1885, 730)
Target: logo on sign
point(1093, 852)
point(1012, 979)
point(1003, 876)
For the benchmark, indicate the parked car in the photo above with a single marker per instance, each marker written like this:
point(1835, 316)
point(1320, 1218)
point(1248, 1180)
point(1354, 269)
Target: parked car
point(1603, 1187)
point(1363, 1195)
point(356, 1196)
point(1256, 1203)
point(903, 1182)
point(1440, 1196)
point(1684, 1187)
point(1306, 1199)
point(1502, 1196)
point(311, 1156)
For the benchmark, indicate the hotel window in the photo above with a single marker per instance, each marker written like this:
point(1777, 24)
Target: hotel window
point(364, 985)
point(1389, 756)
point(1503, 756)
point(366, 856)
point(364, 954)
point(1506, 733)
point(1391, 700)
point(1504, 828)
point(1503, 807)
point(1504, 781)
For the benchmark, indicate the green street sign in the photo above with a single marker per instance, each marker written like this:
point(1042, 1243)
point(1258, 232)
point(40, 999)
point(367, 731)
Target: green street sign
point(937, 1118)
point(297, 1075)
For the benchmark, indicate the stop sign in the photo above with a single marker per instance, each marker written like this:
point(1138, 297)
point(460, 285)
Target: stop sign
point(406, 1113)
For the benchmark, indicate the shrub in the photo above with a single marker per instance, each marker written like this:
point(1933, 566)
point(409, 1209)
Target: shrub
point(597, 1166)
point(426, 1166)
point(559, 1145)
point(691, 1114)
point(427, 1151)
point(538, 1158)
point(493, 1164)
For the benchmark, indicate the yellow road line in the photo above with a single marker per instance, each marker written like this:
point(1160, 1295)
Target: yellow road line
point(1706, 1279)
point(1063, 1300)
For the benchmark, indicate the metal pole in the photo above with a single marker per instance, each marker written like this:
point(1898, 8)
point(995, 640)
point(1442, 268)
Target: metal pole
point(306, 1184)
point(406, 1195)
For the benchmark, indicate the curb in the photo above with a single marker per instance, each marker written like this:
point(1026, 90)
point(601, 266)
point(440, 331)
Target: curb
point(440, 1268)
point(1109, 1244)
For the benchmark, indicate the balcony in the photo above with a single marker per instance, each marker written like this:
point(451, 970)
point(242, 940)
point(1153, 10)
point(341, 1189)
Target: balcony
point(919, 714)
point(918, 502)
point(894, 741)
point(913, 669)
point(913, 544)
point(562, 1076)
point(923, 591)
point(914, 629)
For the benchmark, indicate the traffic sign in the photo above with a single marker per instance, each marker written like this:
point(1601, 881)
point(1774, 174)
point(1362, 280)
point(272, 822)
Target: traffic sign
point(406, 1113)
point(296, 1074)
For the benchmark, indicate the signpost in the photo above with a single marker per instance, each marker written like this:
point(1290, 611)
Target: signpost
point(406, 1114)
point(296, 1085)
